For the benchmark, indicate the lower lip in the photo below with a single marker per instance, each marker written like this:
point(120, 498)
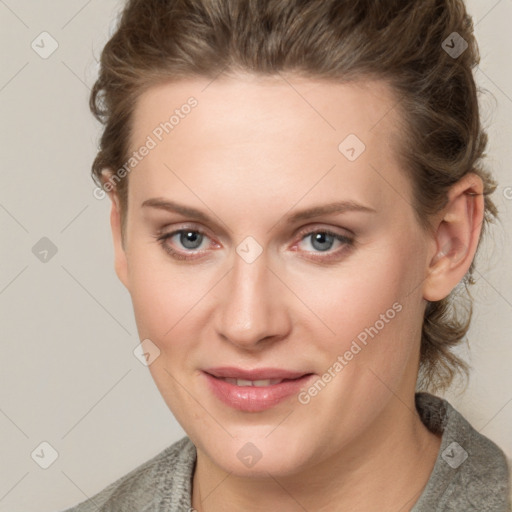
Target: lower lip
point(255, 398)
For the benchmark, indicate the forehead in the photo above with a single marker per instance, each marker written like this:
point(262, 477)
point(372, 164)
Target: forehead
point(274, 103)
point(273, 134)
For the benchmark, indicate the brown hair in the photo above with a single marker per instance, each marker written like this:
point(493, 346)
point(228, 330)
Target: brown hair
point(405, 43)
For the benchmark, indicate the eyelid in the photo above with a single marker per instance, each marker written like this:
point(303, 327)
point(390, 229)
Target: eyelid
point(186, 226)
point(317, 228)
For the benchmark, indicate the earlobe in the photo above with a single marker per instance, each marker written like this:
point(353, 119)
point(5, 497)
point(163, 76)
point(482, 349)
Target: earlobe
point(456, 238)
point(120, 261)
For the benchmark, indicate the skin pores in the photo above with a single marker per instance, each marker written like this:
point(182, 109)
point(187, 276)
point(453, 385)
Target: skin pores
point(251, 153)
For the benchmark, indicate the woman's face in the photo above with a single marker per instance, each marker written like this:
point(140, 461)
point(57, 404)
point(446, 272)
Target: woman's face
point(253, 283)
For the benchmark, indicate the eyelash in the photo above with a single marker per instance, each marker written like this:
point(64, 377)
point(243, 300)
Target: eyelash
point(347, 242)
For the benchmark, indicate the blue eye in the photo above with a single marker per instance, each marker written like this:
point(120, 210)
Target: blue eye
point(323, 240)
point(191, 240)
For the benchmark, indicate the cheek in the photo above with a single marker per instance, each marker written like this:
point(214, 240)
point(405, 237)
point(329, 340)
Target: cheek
point(159, 296)
point(168, 302)
point(367, 309)
point(163, 307)
point(353, 295)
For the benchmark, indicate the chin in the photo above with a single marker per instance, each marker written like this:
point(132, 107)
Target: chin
point(259, 455)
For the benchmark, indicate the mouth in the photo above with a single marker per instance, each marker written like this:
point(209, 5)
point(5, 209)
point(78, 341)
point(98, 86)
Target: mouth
point(254, 390)
point(256, 383)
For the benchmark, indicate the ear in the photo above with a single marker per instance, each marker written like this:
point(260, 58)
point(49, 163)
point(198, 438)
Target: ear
point(456, 239)
point(120, 260)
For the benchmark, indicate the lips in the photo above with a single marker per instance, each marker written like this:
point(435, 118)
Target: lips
point(254, 390)
point(256, 374)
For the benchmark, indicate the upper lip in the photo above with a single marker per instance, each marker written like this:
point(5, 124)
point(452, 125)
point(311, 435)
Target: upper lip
point(254, 374)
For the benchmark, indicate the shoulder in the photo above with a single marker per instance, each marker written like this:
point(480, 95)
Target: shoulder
point(162, 482)
point(471, 472)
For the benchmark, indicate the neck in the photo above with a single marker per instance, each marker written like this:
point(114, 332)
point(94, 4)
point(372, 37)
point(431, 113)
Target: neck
point(385, 468)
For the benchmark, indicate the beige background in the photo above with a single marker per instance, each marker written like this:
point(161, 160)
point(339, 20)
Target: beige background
point(68, 375)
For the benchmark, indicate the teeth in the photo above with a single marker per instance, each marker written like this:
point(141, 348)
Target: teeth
point(257, 383)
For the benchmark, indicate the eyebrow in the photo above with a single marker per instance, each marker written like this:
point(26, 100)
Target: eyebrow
point(315, 211)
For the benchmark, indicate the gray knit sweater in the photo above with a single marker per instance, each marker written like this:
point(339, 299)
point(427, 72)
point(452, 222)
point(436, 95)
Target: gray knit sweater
point(470, 473)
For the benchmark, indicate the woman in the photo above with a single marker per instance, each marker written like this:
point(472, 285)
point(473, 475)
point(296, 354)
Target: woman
point(297, 194)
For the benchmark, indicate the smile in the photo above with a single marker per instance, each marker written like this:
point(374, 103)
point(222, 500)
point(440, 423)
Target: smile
point(256, 394)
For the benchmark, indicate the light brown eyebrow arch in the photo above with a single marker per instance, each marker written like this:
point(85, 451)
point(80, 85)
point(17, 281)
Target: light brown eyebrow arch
point(174, 207)
point(315, 211)
point(330, 208)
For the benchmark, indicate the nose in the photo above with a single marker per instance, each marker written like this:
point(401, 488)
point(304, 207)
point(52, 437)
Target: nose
point(252, 311)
